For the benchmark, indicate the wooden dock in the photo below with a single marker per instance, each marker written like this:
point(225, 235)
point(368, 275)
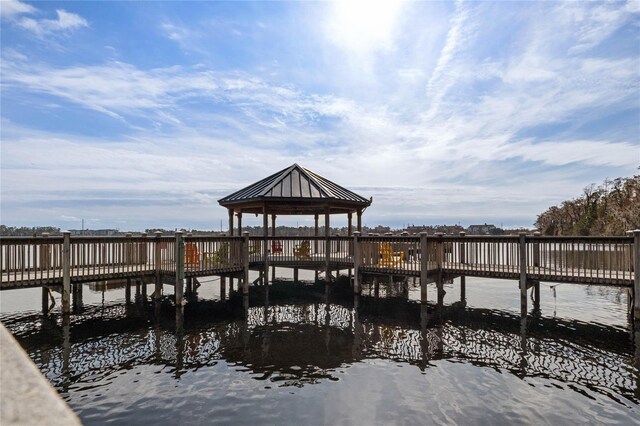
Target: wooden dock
point(63, 261)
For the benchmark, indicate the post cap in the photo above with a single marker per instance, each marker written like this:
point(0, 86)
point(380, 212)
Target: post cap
point(179, 233)
point(245, 233)
point(143, 235)
point(462, 233)
point(356, 233)
point(128, 234)
point(45, 234)
point(158, 233)
point(439, 234)
point(522, 234)
point(632, 231)
point(63, 233)
point(537, 233)
point(424, 233)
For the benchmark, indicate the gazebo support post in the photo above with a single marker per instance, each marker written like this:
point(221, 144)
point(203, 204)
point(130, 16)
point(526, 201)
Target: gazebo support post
point(231, 222)
point(349, 234)
point(265, 248)
point(316, 232)
point(273, 234)
point(359, 218)
point(239, 216)
point(327, 244)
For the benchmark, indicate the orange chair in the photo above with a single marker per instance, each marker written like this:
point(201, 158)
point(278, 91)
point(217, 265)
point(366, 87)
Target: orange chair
point(191, 254)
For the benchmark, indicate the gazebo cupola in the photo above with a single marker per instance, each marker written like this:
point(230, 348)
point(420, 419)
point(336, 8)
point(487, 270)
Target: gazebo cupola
point(294, 191)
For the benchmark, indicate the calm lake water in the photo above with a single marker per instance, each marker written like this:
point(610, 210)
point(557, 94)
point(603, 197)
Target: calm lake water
point(304, 355)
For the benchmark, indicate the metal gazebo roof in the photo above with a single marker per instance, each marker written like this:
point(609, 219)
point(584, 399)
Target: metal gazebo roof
point(295, 190)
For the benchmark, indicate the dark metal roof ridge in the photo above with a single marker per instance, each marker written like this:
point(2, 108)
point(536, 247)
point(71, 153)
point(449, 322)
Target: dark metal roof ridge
point(231, 196)
point(277, 180)
point(323, 181)
point(326, 188)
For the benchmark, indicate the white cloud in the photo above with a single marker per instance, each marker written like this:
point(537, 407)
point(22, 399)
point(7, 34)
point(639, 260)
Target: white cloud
point(445, 73)
point(176, 33)
point(593, 25)
point(65, 22)
point(12, 8)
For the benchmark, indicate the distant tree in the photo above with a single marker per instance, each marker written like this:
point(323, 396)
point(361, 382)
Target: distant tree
point(609, 209)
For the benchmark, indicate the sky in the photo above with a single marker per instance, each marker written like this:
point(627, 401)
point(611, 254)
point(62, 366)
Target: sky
point(135, 115)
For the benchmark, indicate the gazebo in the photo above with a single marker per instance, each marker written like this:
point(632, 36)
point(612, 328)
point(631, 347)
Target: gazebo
point(294, 191)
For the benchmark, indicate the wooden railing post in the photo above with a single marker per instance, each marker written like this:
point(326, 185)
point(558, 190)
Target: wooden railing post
point(636, 274)
point(463, 249)
point(523, 273)
point(157, 259)
point(463, 260)
point(245, 258)
point(439, 250)
point(128, 249)
point(179, 259)
point(536, 249)
point(440, 261)
point(357, 260)
point(424, 266)
point(66, 272)
point(45, 254)
point(142, 251)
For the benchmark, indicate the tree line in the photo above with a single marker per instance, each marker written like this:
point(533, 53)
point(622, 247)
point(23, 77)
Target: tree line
point(611, 208)
point(27, 231)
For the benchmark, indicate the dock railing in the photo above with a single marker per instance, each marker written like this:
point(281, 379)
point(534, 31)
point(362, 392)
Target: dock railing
point(53, 260)
point(589, 259)
point(394, 254)
point(31, 258)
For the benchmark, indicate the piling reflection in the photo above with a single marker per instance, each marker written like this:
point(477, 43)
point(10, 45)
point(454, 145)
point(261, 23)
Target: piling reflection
point(298, 338)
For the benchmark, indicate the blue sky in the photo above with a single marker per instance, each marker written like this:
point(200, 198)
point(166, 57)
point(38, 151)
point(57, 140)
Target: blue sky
point(143, 114)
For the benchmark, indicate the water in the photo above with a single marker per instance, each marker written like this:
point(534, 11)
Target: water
point(305, 356)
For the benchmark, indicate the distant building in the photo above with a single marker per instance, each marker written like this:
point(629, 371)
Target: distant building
point(485, 229)
point(96, 232)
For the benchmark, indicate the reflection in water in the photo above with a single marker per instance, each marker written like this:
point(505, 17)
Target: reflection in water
point(294, 338)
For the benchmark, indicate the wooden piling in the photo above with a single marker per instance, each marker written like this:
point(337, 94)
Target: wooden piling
point(45, 299)
point(76, 290)
point(158, 262)
point(424, 266)
point(143, 286)
point(127, 291)
point(523, 273)
point(636, 275)
point(245, 257)
point(179, 284)
point(357, 260)
point(188, 287)
point(66, 272)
